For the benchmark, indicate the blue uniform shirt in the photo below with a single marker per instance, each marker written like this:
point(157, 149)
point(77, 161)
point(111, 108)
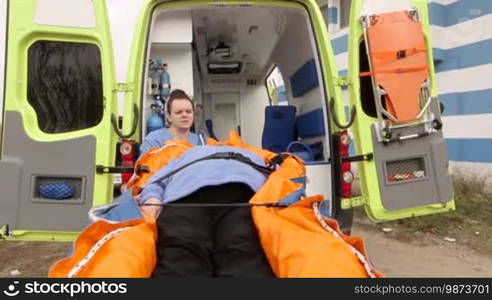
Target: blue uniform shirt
point(158, 137)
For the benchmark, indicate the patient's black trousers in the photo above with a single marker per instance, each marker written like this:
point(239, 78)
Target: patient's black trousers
point(210, 241)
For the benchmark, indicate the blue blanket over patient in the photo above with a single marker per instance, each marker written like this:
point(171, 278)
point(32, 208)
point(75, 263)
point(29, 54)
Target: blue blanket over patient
point(203, 173)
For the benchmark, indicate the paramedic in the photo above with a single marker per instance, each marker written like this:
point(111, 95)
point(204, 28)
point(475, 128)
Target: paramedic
point(201, 240)
point(179, 116)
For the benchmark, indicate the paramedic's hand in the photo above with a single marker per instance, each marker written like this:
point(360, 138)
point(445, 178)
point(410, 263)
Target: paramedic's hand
point(153, 210)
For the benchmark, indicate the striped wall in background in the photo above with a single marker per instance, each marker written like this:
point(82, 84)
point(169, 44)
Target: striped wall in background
point(462, 46)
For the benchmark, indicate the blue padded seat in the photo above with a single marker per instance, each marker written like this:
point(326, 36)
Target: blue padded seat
point(309, 125)
point(280, 127)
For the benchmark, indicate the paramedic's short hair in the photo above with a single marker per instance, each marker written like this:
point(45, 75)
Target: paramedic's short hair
point(177, 94)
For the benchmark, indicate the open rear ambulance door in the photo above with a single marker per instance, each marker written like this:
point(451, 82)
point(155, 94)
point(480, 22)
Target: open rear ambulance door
point(398, 120)
point(57, 117)
point(337, 124)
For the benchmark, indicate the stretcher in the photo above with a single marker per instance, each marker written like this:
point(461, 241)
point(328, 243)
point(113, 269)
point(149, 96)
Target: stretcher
point(399, 73)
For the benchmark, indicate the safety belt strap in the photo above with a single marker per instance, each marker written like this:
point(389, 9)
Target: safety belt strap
point(222, 155)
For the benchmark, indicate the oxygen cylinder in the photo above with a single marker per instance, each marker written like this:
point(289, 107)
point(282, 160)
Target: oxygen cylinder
point(154, 121)
point(154, 69)
point(164, 83)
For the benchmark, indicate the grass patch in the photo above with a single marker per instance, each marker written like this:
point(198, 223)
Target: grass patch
point(470, 223)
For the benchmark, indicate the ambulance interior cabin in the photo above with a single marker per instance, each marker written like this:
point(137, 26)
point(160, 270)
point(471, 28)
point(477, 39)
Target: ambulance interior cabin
point(253, 69)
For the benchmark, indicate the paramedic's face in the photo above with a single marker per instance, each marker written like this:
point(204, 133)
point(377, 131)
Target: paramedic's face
point(181, 115)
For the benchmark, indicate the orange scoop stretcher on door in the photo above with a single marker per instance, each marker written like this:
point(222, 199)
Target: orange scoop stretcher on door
point(399, 71)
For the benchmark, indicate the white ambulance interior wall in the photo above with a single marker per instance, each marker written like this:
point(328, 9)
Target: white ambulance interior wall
point(293, 50)
point(171, 39)
point(218, 84)
point(179, 64)
point(3, 30)
point(254, 99)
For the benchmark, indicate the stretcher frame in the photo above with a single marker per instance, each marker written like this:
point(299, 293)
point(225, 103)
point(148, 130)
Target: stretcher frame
point(387, 122)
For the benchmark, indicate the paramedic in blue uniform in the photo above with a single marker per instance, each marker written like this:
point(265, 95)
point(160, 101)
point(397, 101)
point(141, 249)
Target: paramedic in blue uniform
point(179, 115)
point(201, 240)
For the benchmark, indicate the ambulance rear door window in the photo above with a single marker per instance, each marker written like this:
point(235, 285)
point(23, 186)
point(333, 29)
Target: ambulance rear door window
point(65, 85)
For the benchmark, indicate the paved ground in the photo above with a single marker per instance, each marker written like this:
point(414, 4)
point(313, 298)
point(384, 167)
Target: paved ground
point(422, 257)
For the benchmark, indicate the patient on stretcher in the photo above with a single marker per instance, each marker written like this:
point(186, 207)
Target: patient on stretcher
point(202, 230)
point(223, 210)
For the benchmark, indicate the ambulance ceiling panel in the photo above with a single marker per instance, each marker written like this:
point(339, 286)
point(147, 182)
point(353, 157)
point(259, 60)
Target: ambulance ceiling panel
point(228, 35)
point(239, 34)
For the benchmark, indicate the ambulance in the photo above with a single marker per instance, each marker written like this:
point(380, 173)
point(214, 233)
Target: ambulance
point(86, 80)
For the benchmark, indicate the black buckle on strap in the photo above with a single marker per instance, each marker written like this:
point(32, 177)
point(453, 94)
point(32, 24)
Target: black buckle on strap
point(230, 155)
point(278, 159)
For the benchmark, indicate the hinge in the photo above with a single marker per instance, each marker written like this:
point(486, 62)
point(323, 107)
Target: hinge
point(342, 81)
point(124, 87)
point(348, 203)
point(5, 231)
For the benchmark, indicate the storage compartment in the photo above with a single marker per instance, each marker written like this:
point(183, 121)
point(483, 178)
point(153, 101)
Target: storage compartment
point(405, 170)
point(57, 189)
